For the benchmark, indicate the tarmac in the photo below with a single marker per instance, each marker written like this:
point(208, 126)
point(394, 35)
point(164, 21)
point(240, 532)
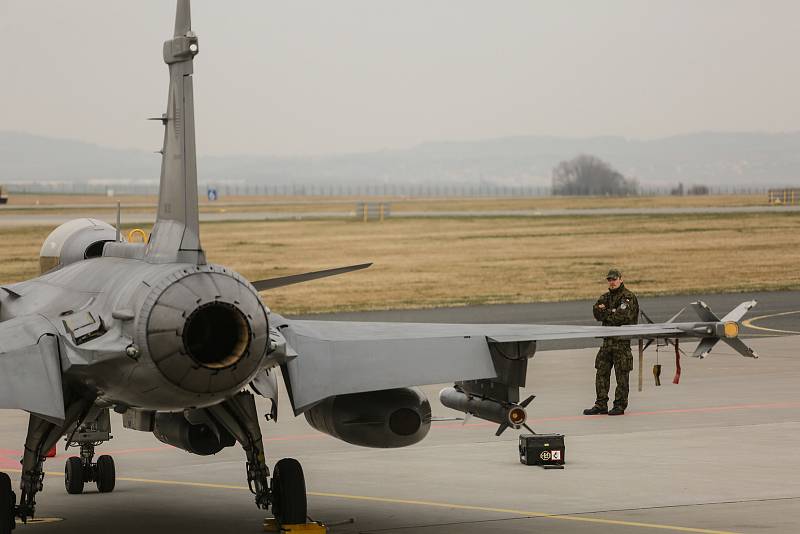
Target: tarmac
point(12, 217)
point(716, 453)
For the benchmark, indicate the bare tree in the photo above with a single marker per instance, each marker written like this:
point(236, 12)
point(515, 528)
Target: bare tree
point(589, 175)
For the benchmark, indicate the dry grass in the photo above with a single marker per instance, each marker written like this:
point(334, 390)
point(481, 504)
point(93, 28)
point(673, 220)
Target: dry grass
point(438, 262)
point(41, 203)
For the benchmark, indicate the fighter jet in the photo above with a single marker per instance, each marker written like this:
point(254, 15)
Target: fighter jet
point(180, 347)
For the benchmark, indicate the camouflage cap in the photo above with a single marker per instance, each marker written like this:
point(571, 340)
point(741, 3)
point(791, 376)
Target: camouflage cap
point(614, 273)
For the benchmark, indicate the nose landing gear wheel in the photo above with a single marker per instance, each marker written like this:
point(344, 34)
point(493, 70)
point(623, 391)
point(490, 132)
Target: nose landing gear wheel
point(73, 476)
point(7, 502)
point(106, 474)
point(289, 493)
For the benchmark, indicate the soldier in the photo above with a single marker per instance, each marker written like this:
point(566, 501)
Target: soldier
point(615, 308)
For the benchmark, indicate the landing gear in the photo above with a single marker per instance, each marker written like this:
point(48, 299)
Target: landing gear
point(239, 416)
point(42, 436)
point(289, 492)
point(77, 473)
point(73, 476)
point(95, 429)
point(106, 476)
point(8, 501)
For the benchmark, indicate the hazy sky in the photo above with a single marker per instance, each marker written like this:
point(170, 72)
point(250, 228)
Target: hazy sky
point(301, 77)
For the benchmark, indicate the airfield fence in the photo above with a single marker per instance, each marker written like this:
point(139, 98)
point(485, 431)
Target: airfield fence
point(786, 196)
point(225, 189)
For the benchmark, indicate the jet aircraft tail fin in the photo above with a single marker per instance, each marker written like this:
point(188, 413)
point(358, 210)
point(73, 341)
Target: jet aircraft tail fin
point(176, 234)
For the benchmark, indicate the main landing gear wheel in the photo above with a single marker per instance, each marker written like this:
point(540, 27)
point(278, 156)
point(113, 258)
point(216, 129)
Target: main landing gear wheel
point(106, 474)
point(289, 492)
point(7, 502)
point(73, 476)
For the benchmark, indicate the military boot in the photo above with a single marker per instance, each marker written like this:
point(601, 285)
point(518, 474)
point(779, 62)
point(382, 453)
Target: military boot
point(616, 410)
point(595, 410)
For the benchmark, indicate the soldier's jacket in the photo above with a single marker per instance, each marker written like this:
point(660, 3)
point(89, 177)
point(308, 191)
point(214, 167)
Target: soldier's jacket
point(621, 308)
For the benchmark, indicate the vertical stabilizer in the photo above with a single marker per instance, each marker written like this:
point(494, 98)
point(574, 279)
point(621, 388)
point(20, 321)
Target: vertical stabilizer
point(176, 234)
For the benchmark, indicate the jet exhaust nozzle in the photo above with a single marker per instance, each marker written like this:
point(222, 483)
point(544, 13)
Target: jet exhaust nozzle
point(205, 329)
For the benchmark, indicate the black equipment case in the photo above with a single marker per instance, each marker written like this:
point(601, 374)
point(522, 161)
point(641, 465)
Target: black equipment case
point(541, 449)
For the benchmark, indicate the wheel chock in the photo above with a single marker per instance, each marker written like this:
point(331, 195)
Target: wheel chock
point(272, 525)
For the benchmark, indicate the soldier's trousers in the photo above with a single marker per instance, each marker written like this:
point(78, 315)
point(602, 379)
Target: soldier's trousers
point(621, 359)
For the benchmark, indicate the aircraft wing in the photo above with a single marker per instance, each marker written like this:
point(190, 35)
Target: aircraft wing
point(341, 357)
point(30, 367)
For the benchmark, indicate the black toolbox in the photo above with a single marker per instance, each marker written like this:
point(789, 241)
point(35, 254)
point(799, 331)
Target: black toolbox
point(541, 449)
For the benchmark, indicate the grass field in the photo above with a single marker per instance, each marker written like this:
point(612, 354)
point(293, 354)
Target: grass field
point(464, 261)
point(60, 203)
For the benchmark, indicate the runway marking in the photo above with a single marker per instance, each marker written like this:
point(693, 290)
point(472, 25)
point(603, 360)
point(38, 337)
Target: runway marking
point(37, 520)
point(523, 513)
point(749, 322)
point(708, 409)
point(430, 504)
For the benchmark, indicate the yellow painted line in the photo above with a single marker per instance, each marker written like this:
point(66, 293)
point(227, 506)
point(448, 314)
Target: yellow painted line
point(523, 513)
point(432, 504)
point(38, 520)
point(749, 322)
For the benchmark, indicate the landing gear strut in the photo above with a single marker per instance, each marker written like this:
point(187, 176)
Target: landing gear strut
point(42, 436)
point(288, 493)
point(79, 470)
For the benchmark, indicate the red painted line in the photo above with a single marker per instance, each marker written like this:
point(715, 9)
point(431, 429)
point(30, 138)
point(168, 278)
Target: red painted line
point(707, 409)
point(9, 459)
point(140, 450)
point(8, 463)
point(300, 437)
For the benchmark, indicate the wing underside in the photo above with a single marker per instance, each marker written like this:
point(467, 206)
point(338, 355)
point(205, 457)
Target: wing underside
point(30, 367)
point(341, 357)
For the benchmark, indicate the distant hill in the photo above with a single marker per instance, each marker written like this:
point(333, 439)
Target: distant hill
point(732, 159)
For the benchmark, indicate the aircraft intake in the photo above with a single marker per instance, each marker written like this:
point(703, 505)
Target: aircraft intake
point(205, 329)
point(381, 419)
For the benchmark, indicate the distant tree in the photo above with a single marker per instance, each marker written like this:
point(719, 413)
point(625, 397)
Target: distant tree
point(589, 175)
point(678, 191)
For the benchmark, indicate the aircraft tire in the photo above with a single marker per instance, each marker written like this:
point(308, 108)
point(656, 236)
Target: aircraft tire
point(7, 501)
point(289, 502)
point(73, 476)
point(106, 474)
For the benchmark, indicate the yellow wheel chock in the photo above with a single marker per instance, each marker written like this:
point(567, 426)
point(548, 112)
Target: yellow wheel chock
point(272, 525)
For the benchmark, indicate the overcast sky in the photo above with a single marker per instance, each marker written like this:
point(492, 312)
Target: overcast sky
point(301, 77)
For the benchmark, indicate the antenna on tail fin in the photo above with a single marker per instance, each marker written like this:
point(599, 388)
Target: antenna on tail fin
point(176, 234)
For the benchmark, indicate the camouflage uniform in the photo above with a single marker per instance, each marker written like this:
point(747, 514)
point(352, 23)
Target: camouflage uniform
point(621, 307)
